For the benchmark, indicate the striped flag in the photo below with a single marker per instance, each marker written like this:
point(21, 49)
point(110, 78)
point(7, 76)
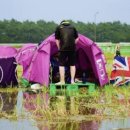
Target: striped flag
point(120, 74)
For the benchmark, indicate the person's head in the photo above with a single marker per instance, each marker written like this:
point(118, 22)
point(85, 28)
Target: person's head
point(65, 22)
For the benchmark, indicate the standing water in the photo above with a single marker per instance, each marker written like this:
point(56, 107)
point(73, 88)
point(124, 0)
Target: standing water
point(26, 110)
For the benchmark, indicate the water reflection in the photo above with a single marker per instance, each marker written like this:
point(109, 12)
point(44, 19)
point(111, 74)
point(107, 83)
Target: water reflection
point(115, 124)
point(72, 105)
point(43, 112)
point(36, 104)
point(33, 101)
point(87, 125)
point(8, 102)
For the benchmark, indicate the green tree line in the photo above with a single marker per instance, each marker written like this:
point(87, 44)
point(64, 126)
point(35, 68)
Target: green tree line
point(13, 31)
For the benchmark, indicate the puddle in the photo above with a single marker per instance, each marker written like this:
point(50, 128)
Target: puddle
point(27, 111)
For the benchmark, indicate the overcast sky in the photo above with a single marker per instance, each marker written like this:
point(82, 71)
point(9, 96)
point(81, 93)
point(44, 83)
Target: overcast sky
point(57, 10)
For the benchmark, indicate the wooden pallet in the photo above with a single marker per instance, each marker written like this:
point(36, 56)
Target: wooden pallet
point(71, 88)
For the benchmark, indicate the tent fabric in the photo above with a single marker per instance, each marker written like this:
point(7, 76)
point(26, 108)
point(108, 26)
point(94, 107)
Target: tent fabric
point(25, 54)
point(34, 64)
point(120, 74)
point(89, 58)
point(7, 51)
point(8, 74)
point(24, 58)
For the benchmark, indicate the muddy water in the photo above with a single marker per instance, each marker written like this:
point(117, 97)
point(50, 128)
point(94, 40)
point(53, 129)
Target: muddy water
point(20, 111)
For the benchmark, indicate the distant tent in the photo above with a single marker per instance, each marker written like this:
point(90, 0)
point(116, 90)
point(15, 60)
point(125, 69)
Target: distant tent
point(120, 74)
point(37, 66)
point(8, 74)
point(25, 57)
point(33, 61)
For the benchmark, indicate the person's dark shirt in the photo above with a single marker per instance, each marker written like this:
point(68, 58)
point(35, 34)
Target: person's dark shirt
point(67, 34)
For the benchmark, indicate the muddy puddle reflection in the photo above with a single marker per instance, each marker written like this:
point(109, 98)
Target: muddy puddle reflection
point(26, 110)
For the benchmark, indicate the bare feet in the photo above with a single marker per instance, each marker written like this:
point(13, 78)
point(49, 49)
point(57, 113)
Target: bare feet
point(60, 83)
point(73, 83)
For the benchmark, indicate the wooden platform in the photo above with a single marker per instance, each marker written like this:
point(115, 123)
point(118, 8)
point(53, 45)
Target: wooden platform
point(71, 89)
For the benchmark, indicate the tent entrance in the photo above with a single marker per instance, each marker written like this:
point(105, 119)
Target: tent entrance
point(84, 71)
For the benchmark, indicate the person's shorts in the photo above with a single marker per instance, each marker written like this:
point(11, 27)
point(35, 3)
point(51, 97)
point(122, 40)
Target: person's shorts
point(67, 58)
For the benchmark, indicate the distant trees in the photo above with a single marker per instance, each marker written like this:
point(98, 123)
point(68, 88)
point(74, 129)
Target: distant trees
point(13, 31)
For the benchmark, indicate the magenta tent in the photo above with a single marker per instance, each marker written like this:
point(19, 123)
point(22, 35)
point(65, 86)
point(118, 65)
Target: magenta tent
point(7, 51)
point(8, 74)
point(36, 61)
point(25, 58)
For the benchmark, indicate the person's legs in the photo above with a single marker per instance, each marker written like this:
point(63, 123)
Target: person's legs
point(62, 74)
point(72, 73)
point(62, 58)
point(71, 61)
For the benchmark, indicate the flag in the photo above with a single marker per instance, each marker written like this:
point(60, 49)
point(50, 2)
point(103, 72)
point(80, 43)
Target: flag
point(120, 74)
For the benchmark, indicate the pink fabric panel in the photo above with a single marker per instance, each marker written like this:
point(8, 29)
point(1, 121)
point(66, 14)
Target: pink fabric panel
point(7, 51)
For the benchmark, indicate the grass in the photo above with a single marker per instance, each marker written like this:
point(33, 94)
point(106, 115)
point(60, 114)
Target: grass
point(108, 102)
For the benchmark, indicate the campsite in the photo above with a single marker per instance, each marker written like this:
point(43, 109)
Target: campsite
point(102, 108)
point(64, 65)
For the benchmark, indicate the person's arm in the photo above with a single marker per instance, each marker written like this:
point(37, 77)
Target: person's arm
point(76, 36)
point(76, 40)
point(57, 37)
point(58, 43)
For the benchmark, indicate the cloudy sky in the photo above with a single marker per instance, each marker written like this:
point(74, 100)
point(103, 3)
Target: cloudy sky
point(57, 10)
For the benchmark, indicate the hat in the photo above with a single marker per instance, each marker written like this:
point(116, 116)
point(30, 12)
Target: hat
point(65, 22)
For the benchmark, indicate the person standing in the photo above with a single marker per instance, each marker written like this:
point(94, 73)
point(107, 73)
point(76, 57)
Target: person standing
point(117, 50)
point(66, 38)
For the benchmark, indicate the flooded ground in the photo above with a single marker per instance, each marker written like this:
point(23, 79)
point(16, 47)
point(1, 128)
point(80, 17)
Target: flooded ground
point(26, 110)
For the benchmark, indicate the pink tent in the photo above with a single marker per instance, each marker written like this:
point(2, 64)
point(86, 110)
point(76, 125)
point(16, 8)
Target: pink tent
point(89, 58)
point(34, 62)
point(7, 51)
point(24, 57)
point(8, 74)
